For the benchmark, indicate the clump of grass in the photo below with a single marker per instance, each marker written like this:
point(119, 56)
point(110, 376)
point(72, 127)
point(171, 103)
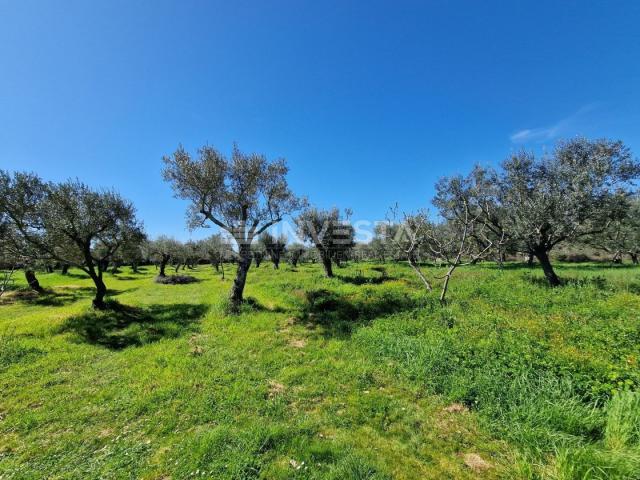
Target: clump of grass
point(354, 467)
point(623, 421)
point(594, 463)
point(12, 350)
point(618, 455)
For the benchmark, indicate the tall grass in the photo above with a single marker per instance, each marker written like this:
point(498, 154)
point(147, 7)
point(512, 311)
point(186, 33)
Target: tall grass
point(314, 378)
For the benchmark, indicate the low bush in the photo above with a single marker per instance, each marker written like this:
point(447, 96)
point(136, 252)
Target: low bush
point(176, 279)
point(574, 257)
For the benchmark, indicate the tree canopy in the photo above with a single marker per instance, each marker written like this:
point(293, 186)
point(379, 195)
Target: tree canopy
point(69, 222)
point(244, 194)
point(329, 232)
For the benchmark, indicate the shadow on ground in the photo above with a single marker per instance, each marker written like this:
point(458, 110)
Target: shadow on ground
point(597, 282)
point(587, 267)
point(339, 316)
point(65, 295)
point(251, 304)
point(76, 275)
point(122, 326)
point(52, 298)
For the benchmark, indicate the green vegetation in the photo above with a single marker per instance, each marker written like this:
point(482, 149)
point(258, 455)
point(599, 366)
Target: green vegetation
point(361, 376)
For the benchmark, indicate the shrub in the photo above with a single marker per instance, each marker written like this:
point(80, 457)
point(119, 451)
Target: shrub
point(176, 279)
point(574, 257)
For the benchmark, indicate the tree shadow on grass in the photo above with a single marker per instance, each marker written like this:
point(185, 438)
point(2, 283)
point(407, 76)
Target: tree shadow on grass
point(66, 295)
point(51, 298)
point(76, 275)
point(339, 316)
point(592, 266)
point(62, 296)
point(596, 267)
point(253, 304)
point(122, 326)
point(597, 282)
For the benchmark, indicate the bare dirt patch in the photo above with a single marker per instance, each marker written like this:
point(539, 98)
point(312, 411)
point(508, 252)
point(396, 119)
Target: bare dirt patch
point(275, 389)
point(476, 463)
point(298, 343)
point(456, 408)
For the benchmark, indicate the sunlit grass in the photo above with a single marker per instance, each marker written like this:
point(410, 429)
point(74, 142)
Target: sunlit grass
point(343, 378)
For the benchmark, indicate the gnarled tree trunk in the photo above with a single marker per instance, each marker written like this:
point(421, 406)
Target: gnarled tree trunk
point(237, 289)
point(101, 289)
point(543, 257)
point(617, 257)
point(326, 263)
point(163, 265)
point(94, 269)
point(32, 280)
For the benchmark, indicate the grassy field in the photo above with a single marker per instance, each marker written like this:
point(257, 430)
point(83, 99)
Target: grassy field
point(364, 376)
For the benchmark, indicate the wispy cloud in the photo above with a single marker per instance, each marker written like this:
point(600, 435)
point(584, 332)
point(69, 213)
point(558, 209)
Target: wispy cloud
point(542, 134)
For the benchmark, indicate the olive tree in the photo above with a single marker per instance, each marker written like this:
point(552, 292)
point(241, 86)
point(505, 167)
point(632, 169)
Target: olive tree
point(216, 249)
point(258, 253)
point(180, 256)
point(471, 226)
point(295, 251)
point(192, 254)
point(70, 223)
point(243, 195)
point(329, 232)
point(564, 195)
point(131, 252)
point(76, 219)
point(408, 234)
point(379, 245)
point(8, 259)
point(21, 195)
point(161, 251)
point(274, 246)
point(622, 235)
point(383, 244)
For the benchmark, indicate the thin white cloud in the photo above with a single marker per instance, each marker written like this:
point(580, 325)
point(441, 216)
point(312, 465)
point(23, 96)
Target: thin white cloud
point(552, 131)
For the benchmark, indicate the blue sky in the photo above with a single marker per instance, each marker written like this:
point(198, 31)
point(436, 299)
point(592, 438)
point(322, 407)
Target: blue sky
point(370, 102)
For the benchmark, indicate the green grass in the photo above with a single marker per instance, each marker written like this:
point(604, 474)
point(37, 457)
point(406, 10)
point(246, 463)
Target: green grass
point(344, 378)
